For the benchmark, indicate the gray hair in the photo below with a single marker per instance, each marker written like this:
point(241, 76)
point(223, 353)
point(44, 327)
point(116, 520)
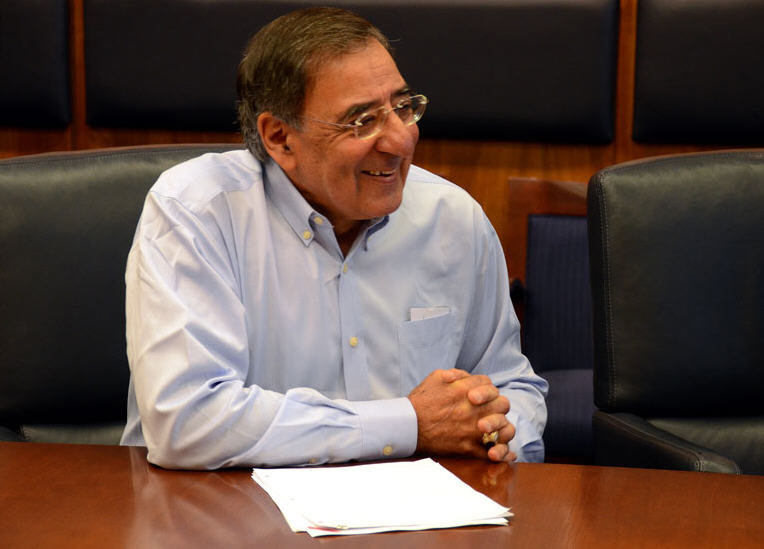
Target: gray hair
point(283, 58)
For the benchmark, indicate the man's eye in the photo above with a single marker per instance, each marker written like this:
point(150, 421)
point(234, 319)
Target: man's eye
point(366, 120)
point(405, 105)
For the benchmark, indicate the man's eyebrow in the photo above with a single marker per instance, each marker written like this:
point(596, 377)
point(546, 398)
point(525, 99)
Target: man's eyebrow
point(360, 108)
point(405, 90)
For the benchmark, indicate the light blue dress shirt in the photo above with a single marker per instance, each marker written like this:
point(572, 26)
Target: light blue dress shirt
point(253, 341)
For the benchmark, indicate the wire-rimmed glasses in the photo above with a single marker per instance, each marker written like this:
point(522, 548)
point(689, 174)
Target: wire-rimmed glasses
point(368, 124)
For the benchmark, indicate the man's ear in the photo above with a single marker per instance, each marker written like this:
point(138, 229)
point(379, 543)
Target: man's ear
point(275, 135)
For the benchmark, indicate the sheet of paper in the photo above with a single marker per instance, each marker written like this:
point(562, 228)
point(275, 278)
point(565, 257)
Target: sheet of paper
point(376, 497)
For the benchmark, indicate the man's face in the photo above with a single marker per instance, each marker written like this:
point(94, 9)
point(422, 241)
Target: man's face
point(346, 178)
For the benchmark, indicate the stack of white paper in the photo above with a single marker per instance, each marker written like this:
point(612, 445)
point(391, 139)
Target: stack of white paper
point(378, 497)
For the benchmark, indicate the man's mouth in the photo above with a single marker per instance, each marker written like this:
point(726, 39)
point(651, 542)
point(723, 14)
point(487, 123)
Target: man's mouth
point(379, 173)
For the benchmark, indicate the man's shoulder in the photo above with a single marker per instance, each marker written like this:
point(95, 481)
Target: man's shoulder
point(426, 188)
point(199, 180)
point(421, 176)
point(436, 212)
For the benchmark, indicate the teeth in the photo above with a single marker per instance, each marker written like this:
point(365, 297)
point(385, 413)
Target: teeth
point(374, 172)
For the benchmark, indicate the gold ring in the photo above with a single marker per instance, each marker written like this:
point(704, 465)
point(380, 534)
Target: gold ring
point(490, 439)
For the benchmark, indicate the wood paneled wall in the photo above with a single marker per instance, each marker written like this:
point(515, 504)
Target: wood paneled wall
point(469, 163)
point(482, 167)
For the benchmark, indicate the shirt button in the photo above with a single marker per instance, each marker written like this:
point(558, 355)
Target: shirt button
point(307, 234)
point(318, 221)
point(312, 461)
point(387, 450)
point(353, 341)
point(344, 269)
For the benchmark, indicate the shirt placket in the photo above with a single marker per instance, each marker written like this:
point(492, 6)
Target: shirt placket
point(354, 358)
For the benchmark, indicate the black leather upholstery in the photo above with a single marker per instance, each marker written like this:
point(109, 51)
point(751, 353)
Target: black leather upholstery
point(627, 439)
point(506, 69)
point(677, 267)
point(66, 225)
point(34, 63)
point(699, 76)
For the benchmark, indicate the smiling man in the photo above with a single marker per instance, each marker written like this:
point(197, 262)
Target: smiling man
point(317, 298)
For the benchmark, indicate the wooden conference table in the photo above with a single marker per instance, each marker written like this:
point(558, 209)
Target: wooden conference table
point(57, 495)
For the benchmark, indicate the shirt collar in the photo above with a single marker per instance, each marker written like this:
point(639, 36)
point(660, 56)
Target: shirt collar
point(375, 225)
point(290, 203)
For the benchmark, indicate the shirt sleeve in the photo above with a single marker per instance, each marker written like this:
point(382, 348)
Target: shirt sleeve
point(492, 346)
point(188, 349)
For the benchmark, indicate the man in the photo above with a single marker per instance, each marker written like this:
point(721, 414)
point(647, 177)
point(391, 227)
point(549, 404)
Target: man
point(316, 298)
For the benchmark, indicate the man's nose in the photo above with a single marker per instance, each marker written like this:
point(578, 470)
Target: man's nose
point(397, 137)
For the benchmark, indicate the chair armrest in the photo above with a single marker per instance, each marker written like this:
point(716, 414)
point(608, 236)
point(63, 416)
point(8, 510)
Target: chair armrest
point(630, 441)
point(8, 435)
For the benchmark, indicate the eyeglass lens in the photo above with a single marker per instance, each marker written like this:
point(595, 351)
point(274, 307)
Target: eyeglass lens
point(409, 111)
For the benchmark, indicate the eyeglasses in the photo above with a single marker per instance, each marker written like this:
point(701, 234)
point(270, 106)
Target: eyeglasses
point(370, 123)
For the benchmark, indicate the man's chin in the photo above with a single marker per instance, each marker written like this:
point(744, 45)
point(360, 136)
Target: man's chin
point(385, 206)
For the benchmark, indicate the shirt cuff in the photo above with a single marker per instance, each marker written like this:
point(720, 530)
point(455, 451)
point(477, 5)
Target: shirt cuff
point(527, 444)
point(388, 428)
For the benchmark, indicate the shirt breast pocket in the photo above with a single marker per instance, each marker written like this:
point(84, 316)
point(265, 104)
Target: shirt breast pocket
point(425, 345)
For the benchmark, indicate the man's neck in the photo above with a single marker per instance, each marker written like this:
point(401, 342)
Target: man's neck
point(346, 235)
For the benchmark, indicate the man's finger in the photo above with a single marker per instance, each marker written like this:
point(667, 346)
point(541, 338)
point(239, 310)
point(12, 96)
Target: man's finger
point(454, 374)
point(471, 382)
point(507, 433)
point(501, 452)
point(493, 422)
point(499, 405)
point(482, 394)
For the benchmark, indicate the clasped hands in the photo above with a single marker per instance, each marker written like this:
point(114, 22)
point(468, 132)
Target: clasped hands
point(454, 409)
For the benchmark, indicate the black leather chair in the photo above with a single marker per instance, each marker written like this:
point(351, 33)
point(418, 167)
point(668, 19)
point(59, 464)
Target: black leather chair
point(677, 267)
point(66, 225)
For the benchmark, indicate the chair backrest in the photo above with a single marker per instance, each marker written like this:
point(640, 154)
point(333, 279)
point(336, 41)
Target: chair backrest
point(677, 267)
point(66, 224)
point(549, 221)
point(557, 328)
point(697, 72)
point(34, 63)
